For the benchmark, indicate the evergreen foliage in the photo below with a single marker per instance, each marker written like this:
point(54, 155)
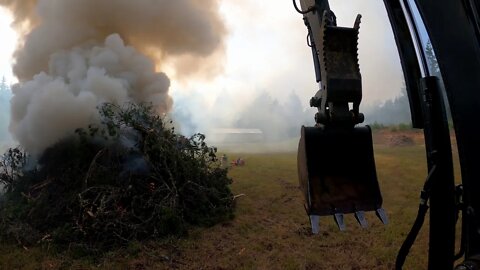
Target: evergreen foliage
point(393, 112)
point(278, 121)
point(129, 178)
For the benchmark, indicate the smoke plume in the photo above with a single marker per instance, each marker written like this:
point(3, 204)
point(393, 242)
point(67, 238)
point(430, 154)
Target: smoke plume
point(73, 56)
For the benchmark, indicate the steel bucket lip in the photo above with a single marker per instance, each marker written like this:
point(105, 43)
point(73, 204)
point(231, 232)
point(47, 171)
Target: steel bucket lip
point(315, 204)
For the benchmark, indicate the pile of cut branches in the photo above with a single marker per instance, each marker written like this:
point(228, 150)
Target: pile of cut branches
point(129, 178)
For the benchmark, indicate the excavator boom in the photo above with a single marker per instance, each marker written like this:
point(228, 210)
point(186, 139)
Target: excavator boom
point(336, 161)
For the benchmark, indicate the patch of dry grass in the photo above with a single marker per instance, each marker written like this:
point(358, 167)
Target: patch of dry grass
point(271, 229)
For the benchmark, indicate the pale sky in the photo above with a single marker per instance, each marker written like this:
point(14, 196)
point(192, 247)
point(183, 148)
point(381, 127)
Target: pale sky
point(7, 45)
point(266, 50)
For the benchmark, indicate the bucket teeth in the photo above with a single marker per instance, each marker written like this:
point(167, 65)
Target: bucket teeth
point(340, 220)
point(360, 216)
point(382, 215)
point(315, 223)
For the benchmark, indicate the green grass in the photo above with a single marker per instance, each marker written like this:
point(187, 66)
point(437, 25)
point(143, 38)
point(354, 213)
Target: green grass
point(271, 229)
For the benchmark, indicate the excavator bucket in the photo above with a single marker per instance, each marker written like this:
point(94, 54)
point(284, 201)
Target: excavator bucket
point(337, 174)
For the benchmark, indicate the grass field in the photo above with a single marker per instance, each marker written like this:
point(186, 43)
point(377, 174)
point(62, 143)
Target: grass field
point(271, 229)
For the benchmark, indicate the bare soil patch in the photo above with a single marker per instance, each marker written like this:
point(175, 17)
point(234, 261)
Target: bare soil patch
point(398, 138)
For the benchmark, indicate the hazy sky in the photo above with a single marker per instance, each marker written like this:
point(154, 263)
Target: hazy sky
point(266, 50)
point(7, 45)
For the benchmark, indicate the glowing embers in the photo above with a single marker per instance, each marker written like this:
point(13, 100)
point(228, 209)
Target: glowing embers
point(337, 174)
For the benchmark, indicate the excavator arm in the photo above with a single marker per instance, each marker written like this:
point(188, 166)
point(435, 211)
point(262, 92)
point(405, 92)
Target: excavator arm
point(335, 158)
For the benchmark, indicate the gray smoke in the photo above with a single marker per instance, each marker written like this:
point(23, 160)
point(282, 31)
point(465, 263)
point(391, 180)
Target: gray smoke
point(24, 12)
point(73, 56)
point(392, 112)
point(191, 29)
point(54, 103)
point(5, 96)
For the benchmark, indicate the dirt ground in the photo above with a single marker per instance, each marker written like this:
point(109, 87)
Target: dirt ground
point(398, 138)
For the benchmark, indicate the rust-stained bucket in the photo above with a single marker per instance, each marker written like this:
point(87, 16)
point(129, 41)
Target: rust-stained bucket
point(337, 173)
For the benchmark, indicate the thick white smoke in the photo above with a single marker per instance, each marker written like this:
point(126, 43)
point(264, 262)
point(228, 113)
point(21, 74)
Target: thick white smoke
point(55, 103)
point(189, 30)
point(72, 57)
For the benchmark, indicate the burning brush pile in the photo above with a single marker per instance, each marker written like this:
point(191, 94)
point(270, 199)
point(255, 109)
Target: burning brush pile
point(130, 178)
point(97, 165)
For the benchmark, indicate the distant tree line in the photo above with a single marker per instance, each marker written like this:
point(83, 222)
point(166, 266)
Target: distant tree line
point(397, 111)
point(278, 121)
point(393, 112)
point(281, 121)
